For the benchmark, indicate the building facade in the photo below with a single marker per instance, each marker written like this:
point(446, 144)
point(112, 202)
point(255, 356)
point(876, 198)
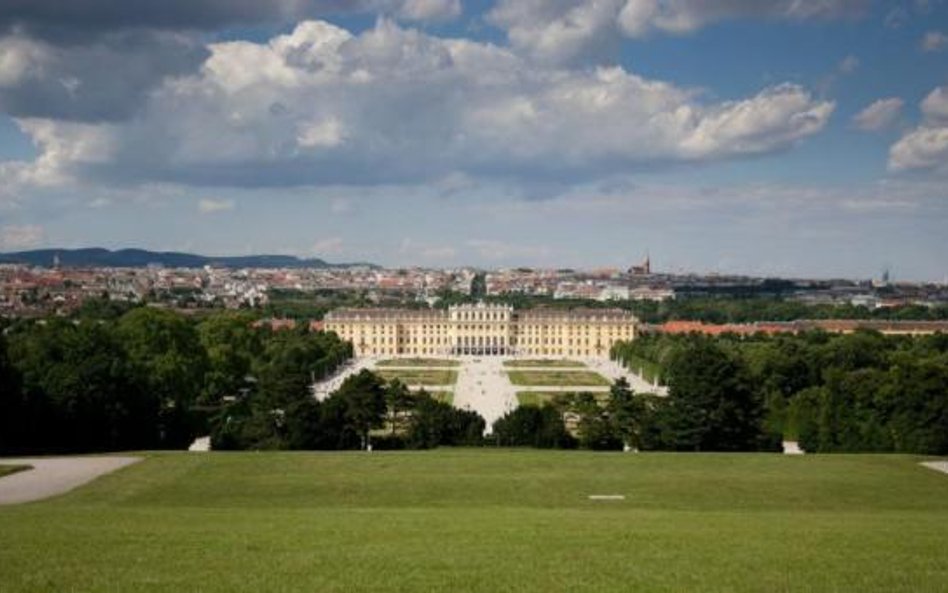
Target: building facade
point(483, 330)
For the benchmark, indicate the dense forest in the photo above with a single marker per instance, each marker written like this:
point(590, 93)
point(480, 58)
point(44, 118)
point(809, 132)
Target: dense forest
point(857, 392)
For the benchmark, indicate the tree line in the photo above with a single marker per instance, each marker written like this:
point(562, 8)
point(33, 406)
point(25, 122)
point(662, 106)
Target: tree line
point(148, 378)
point(712, 405)
point(365, 412)
point(857, 392)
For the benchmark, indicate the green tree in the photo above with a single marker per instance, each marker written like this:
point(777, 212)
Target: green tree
point(81, 392)
point(232, 345)
point(13, 413)
point(170, 361)
point(364, 398)
point(532, 426)
point(625, 412)
point(712, 403)
point(399, 401)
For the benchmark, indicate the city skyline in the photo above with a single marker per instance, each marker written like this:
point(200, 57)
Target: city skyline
point(774, 139)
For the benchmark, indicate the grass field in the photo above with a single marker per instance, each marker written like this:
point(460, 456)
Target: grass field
point(442, 396)
point(417, 362)
point(549, 378)
point(6, 470)
point(420, 376)
point(487, 521)
point(539, 398)
point(541, 363)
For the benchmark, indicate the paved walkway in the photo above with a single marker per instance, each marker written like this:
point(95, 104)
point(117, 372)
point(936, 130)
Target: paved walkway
point(483, 387)
point(323, 389)
point(54, 475)
point(613, 370)
point(938, 466)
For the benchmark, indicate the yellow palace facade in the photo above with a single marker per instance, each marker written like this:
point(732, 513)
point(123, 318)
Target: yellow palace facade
point(482, 330)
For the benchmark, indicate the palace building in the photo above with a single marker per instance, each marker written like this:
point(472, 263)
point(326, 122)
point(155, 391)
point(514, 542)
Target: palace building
point(481, 329)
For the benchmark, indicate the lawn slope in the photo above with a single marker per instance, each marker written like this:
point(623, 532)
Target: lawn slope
point(487, 521)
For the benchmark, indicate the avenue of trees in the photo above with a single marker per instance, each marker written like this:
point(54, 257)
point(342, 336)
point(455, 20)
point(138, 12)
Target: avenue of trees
point(856, 392)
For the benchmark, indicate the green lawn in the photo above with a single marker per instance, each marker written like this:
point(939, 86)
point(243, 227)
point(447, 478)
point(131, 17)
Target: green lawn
point(420, 376)
point(539, 398)
point(543, 363)
point(6, 470)
point(417, 362)
point(487, 521)
point(442, 396)
point(558, 378)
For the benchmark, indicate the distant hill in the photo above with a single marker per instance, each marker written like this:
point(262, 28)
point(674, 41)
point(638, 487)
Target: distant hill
point(137, 258)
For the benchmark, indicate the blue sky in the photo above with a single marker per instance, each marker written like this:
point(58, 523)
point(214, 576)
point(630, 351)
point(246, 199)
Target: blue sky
point(772, 138)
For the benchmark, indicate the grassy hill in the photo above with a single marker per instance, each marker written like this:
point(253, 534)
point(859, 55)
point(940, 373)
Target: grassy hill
point(476, 520)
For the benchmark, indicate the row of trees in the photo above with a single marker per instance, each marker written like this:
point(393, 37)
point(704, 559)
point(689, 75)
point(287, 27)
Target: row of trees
point(150, 378)
point(712, 405)
point(365, 411)
point(857, 392)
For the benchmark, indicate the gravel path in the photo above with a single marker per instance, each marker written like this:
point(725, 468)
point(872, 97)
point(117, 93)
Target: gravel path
point(483, 387)
point(54, 475)
point(613, 370)
point(938, 466)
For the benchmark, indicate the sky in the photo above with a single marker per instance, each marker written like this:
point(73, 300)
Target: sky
point(795, 138)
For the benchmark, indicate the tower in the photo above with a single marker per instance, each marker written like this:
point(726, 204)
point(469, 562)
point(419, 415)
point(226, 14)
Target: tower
point(643, 269)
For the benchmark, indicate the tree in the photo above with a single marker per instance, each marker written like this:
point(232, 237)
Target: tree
point(532, 426)
point(164, 349)
point(625, 412)
point(12, 409)
point(364, 397)
point(232, 344)
point(712, 404)
point(399, 400)
point(80, 391)
point(432, 423)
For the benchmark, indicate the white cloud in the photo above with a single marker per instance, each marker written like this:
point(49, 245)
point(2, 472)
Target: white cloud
point(328, 246)
point(925, 147)
point(879, 115)
point(429, 10)
point(935, 105)
point(557, 30)
point(640, 17)
point(321, 106)
point(561, 30)
point(934, 41)
point(321, 134)
point(13, 237)
point(212, 205)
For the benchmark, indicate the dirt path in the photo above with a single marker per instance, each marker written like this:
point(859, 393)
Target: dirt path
point(54, 475)
point(938, 466)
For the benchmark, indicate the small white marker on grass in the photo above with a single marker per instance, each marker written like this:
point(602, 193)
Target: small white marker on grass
point(606, 497)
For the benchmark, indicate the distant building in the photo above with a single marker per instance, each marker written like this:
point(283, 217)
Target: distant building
point(493, 330)
point(643, 269)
